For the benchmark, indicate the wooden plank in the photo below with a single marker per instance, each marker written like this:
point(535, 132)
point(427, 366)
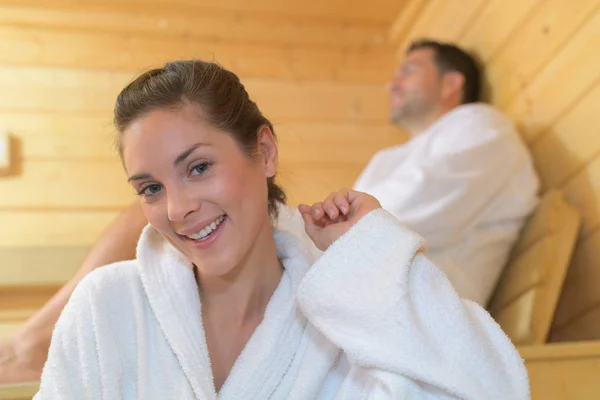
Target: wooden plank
point(548, 218)
point(52, 228)
point(559, 351)
point(583, 192)
point(377, 11)
point(496, 24)
point(24, 297)
point(77, 137)
point(570, 143)
point(562, 82)
point(580, 290)
point(56, 90)
point(210, 25)
point(526, 297)
point(6, 152)
point(118, 51)
point(405, 20)
point(334, 144)
point(585, 327)
point(66, 184)
point(535, 44)
point(37, 265)
point(569, 378)
point(311, 182)
point(444, 20)
point(66, 136)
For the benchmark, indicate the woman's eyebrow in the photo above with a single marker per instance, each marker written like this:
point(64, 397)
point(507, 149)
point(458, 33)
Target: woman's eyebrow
point(180, 158)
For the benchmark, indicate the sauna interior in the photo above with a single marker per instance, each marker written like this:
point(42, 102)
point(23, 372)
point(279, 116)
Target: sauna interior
point(318, 69)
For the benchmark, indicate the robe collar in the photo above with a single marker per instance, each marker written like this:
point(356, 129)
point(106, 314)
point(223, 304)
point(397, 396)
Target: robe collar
point(168, 280)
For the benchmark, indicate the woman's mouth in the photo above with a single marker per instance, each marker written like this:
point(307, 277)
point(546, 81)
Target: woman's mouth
point(207, 231)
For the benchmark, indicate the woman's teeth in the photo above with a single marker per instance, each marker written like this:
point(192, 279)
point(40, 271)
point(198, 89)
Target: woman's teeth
point(207, 230)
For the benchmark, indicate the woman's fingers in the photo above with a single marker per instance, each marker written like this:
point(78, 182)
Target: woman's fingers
point(331, 207)
point(341, 201)
point(317, 211)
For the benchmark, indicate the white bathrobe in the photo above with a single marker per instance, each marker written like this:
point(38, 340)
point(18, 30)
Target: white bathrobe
point(371, 319)
point(466, 185)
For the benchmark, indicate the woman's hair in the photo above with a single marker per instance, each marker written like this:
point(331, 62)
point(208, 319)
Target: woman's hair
point(220, 94)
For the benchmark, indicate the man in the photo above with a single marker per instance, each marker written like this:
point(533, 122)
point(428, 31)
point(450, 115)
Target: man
point(464, 181)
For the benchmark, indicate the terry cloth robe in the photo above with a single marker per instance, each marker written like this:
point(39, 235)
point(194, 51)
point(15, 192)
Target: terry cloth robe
point(466, 185)
point(373, 318)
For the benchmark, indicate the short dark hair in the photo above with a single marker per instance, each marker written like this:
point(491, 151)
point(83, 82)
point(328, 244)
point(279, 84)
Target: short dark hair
point(449, 57)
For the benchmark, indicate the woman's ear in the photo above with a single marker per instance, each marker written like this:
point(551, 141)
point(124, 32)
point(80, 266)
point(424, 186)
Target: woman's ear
point(267, 146)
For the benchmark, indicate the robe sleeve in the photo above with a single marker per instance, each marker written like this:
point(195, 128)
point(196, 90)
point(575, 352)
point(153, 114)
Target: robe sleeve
point(401, 324)
point(72, 370)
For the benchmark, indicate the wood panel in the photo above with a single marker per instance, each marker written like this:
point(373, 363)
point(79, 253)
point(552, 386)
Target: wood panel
point(333, 144)
point(377, 11)
point(563, 81)
point(492, 28)
point(24, 298)
point(308, 183)
point(525, 300)
point(35, 266)
point(583, 328)
point(59, 90)
point(565, 371)
point(583, 191)
point(63, 136)
point(405, 20)
point(570, 143)
point(443, 20)
point(213, 26)
point(55, 184)
point(535, 43)
point(52, 228)
point(81, 137)
point(88, 49)
point(580, 294)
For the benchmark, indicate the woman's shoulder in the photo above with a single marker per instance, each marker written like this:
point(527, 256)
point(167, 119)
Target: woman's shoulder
point(113, 281)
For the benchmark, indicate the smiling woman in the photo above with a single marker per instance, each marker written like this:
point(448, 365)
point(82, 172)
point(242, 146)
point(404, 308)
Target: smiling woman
point(218, 301)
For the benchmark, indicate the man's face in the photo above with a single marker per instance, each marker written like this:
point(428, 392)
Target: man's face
point(416, 86)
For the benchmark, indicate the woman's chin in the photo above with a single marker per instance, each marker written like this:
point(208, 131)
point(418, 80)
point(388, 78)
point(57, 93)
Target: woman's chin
point(209, 267)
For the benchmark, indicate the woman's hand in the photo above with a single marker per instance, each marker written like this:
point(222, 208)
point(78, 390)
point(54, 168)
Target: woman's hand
point(327, 221)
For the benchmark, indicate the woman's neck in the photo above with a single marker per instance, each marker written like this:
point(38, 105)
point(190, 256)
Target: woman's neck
point(243, 295)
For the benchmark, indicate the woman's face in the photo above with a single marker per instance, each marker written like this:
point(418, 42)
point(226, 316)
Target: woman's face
point(198, 188)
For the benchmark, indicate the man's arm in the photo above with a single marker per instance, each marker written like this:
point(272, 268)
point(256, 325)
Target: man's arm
point(23, 355)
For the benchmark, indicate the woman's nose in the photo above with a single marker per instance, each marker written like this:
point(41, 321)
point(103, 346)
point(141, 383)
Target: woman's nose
point(180, 203)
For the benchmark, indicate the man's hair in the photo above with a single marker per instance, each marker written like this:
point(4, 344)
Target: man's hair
point(449, 57)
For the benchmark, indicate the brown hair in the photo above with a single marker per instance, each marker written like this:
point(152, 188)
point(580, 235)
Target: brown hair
point(449, 57)
point(219, 92)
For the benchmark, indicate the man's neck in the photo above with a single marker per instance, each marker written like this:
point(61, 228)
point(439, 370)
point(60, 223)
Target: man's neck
point(417, 125)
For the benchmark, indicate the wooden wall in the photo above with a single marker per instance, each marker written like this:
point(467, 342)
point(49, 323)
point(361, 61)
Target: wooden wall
point(543, 70)
point(316, 68)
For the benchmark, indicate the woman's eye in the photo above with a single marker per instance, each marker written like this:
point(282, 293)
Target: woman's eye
point(150, 190)
point(200, 169)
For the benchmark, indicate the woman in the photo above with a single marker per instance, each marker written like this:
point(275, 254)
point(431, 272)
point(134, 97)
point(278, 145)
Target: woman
point(218, 302)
